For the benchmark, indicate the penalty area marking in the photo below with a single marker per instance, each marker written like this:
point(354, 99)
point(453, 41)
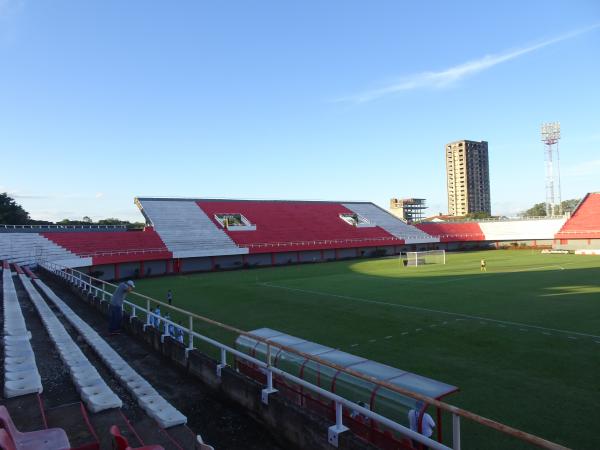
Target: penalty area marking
point(429, 310)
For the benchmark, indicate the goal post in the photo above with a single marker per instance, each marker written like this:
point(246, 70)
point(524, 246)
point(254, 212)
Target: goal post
point(426, 257)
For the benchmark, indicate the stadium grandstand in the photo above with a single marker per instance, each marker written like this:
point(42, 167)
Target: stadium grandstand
point(103, 391)
point(189, 235)
point(582, 230)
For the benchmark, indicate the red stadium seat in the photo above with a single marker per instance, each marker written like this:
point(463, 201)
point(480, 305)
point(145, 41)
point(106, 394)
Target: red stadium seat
point(453, 231)
point(294, 226)
point(114, 246)
point(121, 443)
point(11, 438)
point(585, 221)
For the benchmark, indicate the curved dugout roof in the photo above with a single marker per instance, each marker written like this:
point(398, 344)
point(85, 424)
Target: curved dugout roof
point(377, 371)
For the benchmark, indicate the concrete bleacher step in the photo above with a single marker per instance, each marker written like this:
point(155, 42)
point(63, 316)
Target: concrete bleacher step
point(26, 411)
point(74, 420)
point(26, 248)
point(140, 430)
point(390, 223)
point(173, 438)
point(104, 420)
point(92, 389)
point(21, 375)
point(147, 398)
point(186, 230)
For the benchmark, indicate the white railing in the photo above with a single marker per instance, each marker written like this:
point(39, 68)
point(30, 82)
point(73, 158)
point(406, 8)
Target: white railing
point(123, 252)
point(497, 219)
point(576, 232)
point(99, 290)
point(325, 242)
point(62, 227)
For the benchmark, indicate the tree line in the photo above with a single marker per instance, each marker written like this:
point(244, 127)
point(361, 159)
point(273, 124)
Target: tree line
point(11, 213)
point(539, 209)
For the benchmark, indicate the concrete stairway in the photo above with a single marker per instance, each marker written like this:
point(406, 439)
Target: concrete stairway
point(91, 387)
point(186, 230)
point(21, 375)
point(27, 248)
point(389, 223)
point(147, 397)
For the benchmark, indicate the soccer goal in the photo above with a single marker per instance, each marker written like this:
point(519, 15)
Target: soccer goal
point(426, 257)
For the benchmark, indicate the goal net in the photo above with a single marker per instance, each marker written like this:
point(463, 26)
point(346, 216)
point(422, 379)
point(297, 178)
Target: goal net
point(426, 257)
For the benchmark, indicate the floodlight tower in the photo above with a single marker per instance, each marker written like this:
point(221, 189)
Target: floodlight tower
point(550, 138)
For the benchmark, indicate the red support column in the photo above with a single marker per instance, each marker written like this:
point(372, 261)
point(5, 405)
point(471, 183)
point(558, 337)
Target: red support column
point(141, 269)
point(322, 255)
point(212, 263)
point(336, 253)
point(117, 275)
point(297, 257)
point(272, 259)
point(356, 251)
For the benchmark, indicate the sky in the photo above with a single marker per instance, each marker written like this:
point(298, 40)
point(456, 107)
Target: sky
point(102, 101)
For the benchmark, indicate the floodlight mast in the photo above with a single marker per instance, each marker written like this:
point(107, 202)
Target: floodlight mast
point(550, 137)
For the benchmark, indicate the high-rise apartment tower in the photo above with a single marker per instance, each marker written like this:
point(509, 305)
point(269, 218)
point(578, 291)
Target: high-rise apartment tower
point(468, 177)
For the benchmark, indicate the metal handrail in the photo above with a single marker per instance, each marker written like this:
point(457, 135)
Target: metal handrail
point(62, 227)
point(577, 232)
point(323, 242)
point(497, 219)
point(339, 401)
point(455, 411)
point(123, 252)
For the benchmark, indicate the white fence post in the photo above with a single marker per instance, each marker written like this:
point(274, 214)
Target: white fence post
point(190, 336)
point(223, 361)
point(335, 430)
point(269, 389)
point(455, 432)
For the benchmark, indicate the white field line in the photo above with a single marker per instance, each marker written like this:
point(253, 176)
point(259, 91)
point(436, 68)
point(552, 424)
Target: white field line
point(433, 279)
point(428, 310)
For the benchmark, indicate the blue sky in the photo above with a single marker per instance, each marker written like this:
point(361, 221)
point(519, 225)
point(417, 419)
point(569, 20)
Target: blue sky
point(101, 101)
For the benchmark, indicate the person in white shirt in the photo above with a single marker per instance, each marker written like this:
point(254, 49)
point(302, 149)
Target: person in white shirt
point(427, 423)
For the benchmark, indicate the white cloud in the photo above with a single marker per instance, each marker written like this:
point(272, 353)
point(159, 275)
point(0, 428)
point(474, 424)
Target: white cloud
point(99, 194)
point(454, 74)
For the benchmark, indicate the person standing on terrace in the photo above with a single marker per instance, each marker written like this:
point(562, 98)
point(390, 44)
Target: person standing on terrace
point(116, 306)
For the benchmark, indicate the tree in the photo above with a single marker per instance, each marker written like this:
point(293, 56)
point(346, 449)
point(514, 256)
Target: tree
point(112, 221)
point(11, 213)
point(115, 221)
point(39, 222)
point(570, 205)
point(86, 219)
point(478, 215)
point(539, 209)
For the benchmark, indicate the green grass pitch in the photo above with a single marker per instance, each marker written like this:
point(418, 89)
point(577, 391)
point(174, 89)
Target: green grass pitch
point(522, 341)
